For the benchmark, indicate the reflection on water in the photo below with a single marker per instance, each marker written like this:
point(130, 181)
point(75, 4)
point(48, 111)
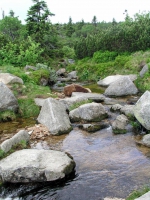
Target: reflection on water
point(106, 165)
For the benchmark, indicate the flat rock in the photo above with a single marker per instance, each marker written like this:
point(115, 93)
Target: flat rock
point(122, 87)
point(93, 96)
point(32, 165)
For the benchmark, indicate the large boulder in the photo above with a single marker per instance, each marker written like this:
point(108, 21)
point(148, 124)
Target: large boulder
point(142, 110)
point(122, 87)
point(32, 165)
point(90, 112)
point(53, 115)
point(110, 79)
point(16, 139)
point(7, 99)
point(69, 89)
point(7, 78)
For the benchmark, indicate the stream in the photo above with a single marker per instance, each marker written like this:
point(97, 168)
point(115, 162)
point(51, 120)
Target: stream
point(107, 165)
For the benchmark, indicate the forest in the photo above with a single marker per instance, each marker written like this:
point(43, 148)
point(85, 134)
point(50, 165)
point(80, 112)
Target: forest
point(100, 47)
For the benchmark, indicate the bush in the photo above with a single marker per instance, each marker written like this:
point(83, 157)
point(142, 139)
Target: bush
point(106, 56)
point(121, 60)
point(22, 54)
point(37, 75)
point(68, 52)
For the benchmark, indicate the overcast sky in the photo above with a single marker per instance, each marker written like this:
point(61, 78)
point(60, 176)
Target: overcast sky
point(104, 10)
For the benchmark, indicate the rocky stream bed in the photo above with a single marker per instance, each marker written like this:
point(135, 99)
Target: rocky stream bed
point(107, 165)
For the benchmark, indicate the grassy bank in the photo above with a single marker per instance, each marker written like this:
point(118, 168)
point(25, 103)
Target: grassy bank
point(25, 93)
point(103, 64)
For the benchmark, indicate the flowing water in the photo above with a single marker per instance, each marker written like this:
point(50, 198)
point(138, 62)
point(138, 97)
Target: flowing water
point(107, 165)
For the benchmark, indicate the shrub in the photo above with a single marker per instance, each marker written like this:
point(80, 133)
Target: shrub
point(106, 56)
point(121, 60)
point(68, 52)
point(37, 75)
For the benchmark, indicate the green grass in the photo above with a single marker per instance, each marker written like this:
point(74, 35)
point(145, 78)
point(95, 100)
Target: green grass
point(136, 194)
point(7, 115)
point(28, 108)
point(26, 93)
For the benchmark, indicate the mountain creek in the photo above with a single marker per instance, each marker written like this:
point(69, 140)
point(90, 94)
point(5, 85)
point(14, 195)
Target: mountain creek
point(107, 165)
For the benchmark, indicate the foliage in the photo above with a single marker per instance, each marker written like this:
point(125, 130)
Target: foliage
point(69, 28)
point(68, 52)
point(41, 66)
point(10, 26)
point(77, 104)
point(37, 75)
point(121, 60)
point(7, 115)
point(127, 36)
point(106, 56)
point(50, 74)
point(40, 28)
point(20, 55)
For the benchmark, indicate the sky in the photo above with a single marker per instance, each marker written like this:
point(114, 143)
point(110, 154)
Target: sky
point(104, 10)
